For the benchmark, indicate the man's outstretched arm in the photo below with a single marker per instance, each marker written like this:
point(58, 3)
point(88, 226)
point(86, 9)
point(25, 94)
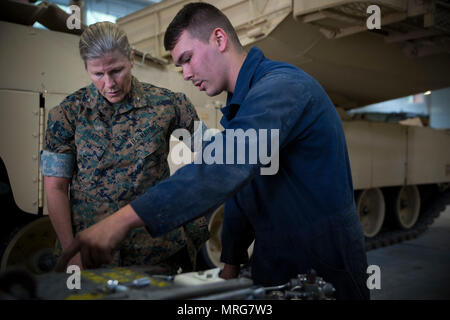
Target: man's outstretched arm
point(97, 242)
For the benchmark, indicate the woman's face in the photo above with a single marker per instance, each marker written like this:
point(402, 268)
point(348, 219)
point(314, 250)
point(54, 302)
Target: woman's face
point(111, 75)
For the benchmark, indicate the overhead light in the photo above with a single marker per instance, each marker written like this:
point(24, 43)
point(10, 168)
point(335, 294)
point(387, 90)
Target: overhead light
point(427, 93)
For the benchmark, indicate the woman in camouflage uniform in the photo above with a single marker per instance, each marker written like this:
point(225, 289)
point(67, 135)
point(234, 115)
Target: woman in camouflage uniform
point(109, 142)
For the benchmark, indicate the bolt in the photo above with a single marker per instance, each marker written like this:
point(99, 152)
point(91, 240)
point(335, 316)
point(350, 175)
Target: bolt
point(141, 282)
point(114, 286)
point(162, 277)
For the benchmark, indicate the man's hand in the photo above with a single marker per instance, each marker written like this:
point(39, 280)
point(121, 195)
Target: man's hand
point(96, 243)
point(230, 271)
point(76, 260)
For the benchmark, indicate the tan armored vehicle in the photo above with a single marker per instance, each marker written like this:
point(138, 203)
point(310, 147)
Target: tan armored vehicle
point(400, 173)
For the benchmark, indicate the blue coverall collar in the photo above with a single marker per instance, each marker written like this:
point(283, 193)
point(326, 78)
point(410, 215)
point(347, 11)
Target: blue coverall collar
point(243, 83)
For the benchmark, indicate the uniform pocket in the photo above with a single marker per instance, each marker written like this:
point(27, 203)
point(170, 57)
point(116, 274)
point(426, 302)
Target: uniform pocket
point(91, 144)
point(91, 147)
point(150, 150)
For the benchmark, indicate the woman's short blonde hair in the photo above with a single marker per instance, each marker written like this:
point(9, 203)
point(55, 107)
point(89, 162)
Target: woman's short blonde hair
point(102, 38)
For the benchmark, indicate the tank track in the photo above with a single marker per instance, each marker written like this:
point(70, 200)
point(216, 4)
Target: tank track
point(431, 210)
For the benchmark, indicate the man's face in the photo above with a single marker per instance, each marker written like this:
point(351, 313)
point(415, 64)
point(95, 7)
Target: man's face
point(201, 63)
point(111, 75)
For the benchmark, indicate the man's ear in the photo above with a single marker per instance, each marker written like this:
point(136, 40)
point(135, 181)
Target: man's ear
point(220, 39)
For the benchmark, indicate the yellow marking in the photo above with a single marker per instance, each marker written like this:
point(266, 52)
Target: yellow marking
point(120, 274)
point(162, 284)
point(86, 296)
point(158, 283)
point(117, 273)
point(93, 277)
point(123, 274)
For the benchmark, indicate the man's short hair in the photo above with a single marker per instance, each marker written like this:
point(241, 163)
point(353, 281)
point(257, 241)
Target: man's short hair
point(200, 19)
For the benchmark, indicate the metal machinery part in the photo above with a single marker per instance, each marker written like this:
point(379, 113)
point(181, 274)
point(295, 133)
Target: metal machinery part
point(141, 283)
point(304, 287)
point(31, 246)
point(371, 210)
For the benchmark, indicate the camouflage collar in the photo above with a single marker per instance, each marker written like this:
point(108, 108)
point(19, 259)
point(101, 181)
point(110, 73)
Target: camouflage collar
point(137, 93)
point(134, 99)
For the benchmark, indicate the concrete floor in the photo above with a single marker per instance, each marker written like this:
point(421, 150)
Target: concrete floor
point(418, 269)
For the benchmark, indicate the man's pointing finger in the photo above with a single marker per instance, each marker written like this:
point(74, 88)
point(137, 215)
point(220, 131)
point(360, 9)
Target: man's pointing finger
point(67, 254)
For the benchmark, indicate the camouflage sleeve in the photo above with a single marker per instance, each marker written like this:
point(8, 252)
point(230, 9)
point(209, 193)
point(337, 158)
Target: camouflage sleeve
point(186, 112)
point(57, 164)
point(197, 231)
point(59, 136)
point(189, 120)
point(58, 156)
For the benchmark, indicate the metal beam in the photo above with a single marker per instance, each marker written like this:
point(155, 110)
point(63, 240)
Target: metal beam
point(417, 34)
point(332, 15)
point(313, 17)
point(392, 18)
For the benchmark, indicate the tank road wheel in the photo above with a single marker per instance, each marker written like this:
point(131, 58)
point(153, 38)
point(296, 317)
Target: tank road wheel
point(213, 247)
point(371, 210)
point(407, 206)
point(31, 247)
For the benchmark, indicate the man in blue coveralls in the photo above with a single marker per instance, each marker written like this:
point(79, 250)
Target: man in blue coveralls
point(301, 217)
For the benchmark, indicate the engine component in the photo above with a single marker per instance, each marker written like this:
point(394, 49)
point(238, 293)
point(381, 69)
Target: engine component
point(304, 287)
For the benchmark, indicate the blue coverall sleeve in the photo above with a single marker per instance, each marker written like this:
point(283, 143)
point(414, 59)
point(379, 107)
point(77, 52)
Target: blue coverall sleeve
point(237, 234)
point(275, 102)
